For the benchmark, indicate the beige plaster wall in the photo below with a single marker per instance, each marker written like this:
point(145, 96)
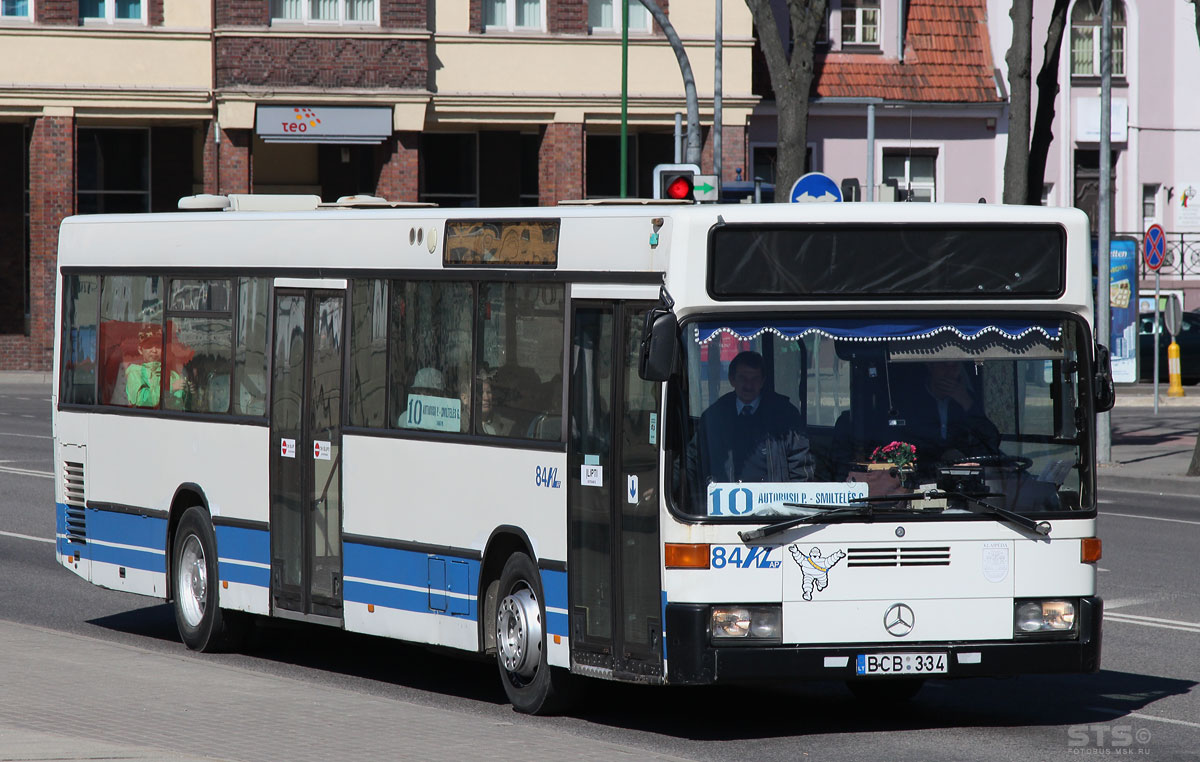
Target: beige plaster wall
point(104, 60)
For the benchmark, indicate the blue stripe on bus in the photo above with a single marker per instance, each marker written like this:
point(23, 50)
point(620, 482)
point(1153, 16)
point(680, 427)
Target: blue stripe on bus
point(370, 564)
point(242, 544)
point(143, 540)
point(363, 565)
point(554, 588)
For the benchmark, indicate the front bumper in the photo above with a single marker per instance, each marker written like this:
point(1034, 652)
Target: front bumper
point(693, 660)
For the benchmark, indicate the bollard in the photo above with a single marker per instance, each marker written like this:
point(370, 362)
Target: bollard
point(1173, 372)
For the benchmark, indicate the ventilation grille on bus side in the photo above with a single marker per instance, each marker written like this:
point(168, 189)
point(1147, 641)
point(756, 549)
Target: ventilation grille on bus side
point(73, 494)
point(939, 556)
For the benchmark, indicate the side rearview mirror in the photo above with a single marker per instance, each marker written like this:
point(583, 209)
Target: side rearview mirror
point(659, 347)
point(1103, 391)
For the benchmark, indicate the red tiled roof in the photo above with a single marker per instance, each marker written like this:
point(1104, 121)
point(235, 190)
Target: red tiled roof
point(947, 59)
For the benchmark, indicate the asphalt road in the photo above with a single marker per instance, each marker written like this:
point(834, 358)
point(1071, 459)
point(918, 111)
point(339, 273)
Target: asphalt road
point(1144, 702)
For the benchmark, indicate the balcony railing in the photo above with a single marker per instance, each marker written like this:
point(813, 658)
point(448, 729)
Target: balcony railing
point(1183, 256)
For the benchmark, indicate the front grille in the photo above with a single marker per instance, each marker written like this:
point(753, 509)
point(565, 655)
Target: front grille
point(74, 496)
point(905, 556)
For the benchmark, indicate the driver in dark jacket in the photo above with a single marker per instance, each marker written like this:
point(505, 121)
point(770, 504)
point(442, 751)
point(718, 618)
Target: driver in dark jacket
point(749, 434)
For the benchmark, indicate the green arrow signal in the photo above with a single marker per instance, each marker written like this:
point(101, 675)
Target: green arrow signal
point(706, 188)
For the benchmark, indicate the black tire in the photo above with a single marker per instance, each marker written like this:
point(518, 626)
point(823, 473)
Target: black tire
point(203, 626)
point(532, 685)
point(891, 690)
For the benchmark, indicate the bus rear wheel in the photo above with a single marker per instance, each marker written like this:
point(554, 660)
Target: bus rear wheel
point(202, 625)
point(532, 685)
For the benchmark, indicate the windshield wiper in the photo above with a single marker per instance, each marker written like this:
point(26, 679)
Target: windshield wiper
point(1037, 527)
point(863, 506)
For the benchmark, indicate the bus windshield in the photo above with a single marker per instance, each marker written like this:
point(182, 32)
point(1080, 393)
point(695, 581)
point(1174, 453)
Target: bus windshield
point(938, 415)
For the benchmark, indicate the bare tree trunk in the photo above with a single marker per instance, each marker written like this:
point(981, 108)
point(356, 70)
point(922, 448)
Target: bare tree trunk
point(791, 78)
point(1043, 121)
point(1016, 160)
point(693, 150)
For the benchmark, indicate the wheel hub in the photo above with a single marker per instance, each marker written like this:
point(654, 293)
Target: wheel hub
point(519, 633)
point(193, 581)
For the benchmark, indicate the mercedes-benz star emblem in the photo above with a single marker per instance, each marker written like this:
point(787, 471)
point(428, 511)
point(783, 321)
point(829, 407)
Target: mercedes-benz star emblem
point(898, 620)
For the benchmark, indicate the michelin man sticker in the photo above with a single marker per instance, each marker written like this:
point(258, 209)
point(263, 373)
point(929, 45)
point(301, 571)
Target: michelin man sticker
point(815, 567)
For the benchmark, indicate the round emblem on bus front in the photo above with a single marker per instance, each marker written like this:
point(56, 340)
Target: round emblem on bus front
point(899, 620)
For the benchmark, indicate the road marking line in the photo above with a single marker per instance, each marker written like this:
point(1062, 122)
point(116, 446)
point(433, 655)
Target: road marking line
point(1144, 492)
point(1149, 622)
point(26, 436)
point(1140, 716)
point(27, 472)
point(1150, 518)
point(27, 537)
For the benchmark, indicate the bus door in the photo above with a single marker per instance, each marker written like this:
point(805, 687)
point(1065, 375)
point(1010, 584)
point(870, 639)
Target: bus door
point(613, 503)
point(306, 445)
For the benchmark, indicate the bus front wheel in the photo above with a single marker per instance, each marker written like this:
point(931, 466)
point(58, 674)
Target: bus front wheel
point(203, 626)
point(532, 685)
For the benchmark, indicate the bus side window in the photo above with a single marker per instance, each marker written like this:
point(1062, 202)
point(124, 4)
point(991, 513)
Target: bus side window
point(368, 353)
point(430, 387)
point(199, 345)
point(131, 306)
point(521, 344)
point(79, 360)
point(249, 387)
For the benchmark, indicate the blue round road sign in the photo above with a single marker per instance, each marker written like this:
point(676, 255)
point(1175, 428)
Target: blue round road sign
point(816, 186)
point(1154, 247)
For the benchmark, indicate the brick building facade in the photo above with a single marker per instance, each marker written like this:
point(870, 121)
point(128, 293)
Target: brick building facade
point(465, 104)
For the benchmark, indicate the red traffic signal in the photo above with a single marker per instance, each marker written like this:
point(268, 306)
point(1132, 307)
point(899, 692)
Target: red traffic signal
point(675, 181)
point(679, 187)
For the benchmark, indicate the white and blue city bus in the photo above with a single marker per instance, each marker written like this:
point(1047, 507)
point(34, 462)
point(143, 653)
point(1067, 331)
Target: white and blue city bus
point(504, 431)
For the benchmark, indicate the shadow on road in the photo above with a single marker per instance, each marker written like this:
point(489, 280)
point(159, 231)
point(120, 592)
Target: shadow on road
point(750, 712)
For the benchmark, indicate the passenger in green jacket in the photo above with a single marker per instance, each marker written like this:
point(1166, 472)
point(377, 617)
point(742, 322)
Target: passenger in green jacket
point(143, 381)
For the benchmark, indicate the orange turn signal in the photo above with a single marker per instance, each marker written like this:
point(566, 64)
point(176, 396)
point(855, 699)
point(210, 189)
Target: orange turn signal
point(680, 555)
point(1090, 550)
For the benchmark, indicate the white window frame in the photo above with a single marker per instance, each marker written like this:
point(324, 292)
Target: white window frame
point(938, 150)
point(1119, 67)
point(617, 9)
point(27, 16)
point(510, 18)
point(858, 9)
point(1150, 194)
point(110, 14)
point(305, 8)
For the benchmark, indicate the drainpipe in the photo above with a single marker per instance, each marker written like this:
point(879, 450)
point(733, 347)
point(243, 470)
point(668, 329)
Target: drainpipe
point(870, 152)
point(900, 34)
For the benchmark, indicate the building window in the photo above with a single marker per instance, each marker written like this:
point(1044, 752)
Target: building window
point(1086, 24)
point(913, 173)
point(113, 170)
point(111, 11)
point(449, 170)
point(513, 15)
point(605, 16)
point(860, 22)
point(325, 11)
point(16, 9)
point(1150, 204)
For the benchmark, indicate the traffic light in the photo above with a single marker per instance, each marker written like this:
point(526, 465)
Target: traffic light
point(675, 181)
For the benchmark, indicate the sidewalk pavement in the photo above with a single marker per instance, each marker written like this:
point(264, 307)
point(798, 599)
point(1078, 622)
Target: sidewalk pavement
point(76, 698)
point(1151, 453)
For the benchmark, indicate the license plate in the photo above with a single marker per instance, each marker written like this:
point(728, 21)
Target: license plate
point(901, 664)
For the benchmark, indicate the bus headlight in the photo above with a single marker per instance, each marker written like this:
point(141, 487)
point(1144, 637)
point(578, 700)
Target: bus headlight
point(1048, 616)
point(750, 623)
